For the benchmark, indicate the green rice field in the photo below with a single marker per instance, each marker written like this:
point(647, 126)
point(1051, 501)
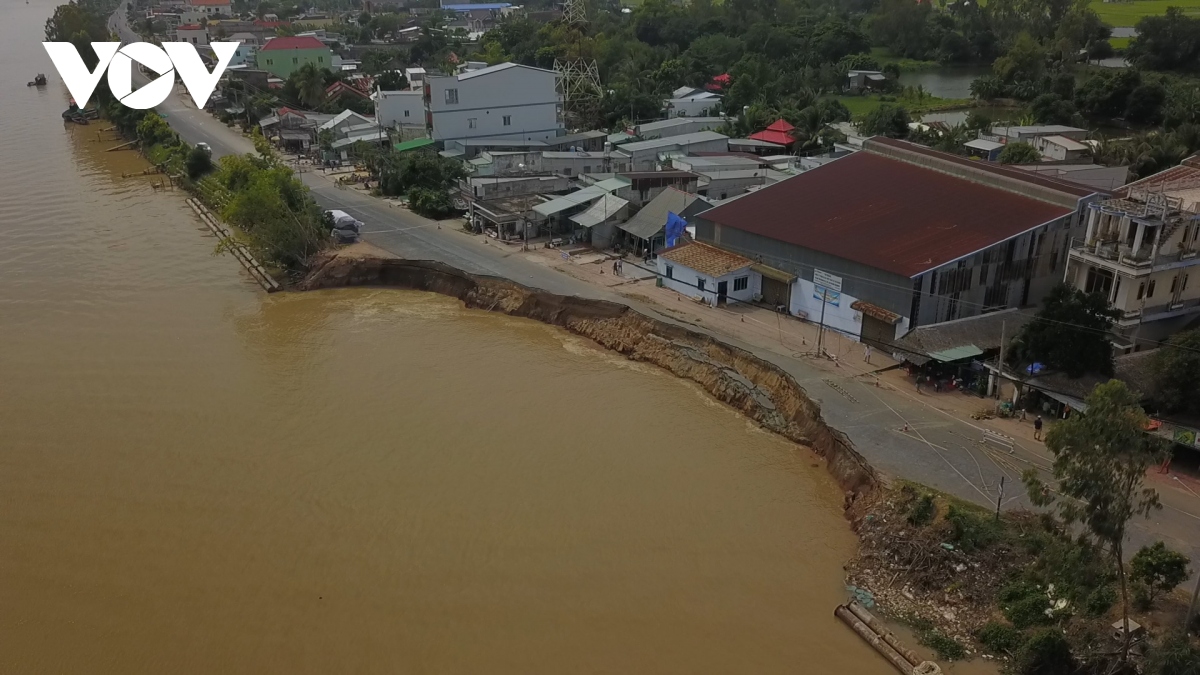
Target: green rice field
point(1128, 13)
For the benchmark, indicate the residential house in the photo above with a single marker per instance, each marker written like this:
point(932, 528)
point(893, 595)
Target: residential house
point(935, 237)
point(508, 101)
point(754, 146)
point(644, 232)
point(192, 33)
point(578, 163)
point(600, 220)
point(644, 186)
point(400, 109)
point(677, 127)
point(212, 8)
point(283, 56)
point(650, 155)
point(1062, 149)
point(1027, 134)
point(985, 149)
point(692, 102)
point(415, 76)
point(1098, 176)
point(1139, 249)
point(502, 204)
point(584, 141)
point(865, 80)
point(247, 51)
point(708, 273)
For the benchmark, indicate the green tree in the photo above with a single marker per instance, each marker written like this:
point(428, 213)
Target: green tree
point(1024, 61)
point(1100, 462)
point(886, 120)
point(1174, 655)
point(1069, 333)
point(1175, 372)
point(1158, 569)
point(1167, 42)
point(309, 84)
point(1046, 652)
point(1019, 153)
point(198, 162)
point(1052, 109)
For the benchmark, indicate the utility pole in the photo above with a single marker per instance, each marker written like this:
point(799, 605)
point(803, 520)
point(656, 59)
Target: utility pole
point(1000, 497)
point(821, 323)
point(1000, 362)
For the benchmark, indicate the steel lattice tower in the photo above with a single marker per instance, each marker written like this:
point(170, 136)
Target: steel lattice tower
point(579, 78)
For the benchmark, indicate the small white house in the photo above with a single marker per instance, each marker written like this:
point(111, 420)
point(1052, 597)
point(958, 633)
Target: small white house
point(415, 77)
point(1060, 148)
point(399, 108)
point(193, 34)
point(711, 274)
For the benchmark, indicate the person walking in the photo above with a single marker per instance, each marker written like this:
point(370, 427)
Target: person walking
point(1037, 428)
point(867, 354)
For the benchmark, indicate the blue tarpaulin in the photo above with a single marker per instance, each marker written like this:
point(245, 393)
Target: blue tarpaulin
point(675, 228)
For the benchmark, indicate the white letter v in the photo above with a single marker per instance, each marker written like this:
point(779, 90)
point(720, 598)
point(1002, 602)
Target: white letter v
point(74, 73)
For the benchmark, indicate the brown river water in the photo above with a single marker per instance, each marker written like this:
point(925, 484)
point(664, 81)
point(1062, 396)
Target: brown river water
point(199, 478)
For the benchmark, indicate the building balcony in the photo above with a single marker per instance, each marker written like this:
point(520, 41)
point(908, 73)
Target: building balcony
point(1171, 310)
point(1122, 258)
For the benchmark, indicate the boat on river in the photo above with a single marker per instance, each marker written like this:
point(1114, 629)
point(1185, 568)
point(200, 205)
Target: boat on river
point(39, 81)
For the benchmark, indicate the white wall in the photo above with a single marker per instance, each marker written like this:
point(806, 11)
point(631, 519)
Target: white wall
point(406, 108)
point(685, 280)
point(839, 317)
point(693, 107)
point(516, 103)
point(194, 37)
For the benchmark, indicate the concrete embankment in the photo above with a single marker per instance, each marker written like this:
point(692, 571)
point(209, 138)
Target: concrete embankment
point(754, 387)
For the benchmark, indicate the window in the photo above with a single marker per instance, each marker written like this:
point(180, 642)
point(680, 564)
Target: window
point(406, 113)
point(1183, 286)
point(295, 60)
point(741, 283)
point(471, 122)
point(1141, 290)
point(451, 97)
point(508, 120)
point(270, 62)
point(1174, 284)
point(1150, 289)
point(1101, 281)
point(670, 272)
point(700, 283)
point(320, 59)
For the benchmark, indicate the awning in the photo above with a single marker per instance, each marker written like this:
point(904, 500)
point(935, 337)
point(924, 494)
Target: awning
point(287, 135)
point(584, 196)
point(985, 146)
point(876, 312)
point(413, 144)
point(956, 353)
point(604, 208)
point(1075, 403)
point(376, 137)
point(772, 273)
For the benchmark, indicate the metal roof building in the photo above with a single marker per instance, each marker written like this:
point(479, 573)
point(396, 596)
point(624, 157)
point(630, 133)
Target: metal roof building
point(909, 231)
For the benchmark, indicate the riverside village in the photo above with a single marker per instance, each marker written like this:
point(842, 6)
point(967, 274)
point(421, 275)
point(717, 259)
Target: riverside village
point(944, 247)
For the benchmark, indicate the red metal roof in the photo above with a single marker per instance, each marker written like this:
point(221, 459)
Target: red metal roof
point(989, 167)
point(190, 26)
point(885, 213)
point(297, 42)
point(778, 132)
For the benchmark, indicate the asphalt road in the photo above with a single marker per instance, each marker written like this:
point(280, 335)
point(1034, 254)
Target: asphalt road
point(938, 450)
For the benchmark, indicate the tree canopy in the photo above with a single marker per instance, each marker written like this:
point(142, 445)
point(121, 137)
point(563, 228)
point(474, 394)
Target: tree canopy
point(1175, 369)
point(1070, 333)
point(1019, 153)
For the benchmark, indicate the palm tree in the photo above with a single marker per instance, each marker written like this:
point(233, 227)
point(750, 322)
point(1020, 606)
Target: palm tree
point(310, 85)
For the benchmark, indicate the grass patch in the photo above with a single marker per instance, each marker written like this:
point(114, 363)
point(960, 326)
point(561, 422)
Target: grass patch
point(884, 57)
point(1128, 13)
point(861, 105)
point(1119, 43)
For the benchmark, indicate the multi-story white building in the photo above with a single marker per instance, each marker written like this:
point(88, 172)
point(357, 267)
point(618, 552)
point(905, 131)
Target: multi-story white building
point(508, 101)
point(1140, 250)
point(400, 109)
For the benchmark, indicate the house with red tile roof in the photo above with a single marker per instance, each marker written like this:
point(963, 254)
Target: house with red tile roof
point(282, 56)
point(898, 236)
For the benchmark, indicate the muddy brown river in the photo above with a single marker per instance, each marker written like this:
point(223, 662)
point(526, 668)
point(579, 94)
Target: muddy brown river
point(198, 478)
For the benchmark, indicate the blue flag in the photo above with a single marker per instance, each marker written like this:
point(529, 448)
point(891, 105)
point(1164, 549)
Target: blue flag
point(675, 228)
